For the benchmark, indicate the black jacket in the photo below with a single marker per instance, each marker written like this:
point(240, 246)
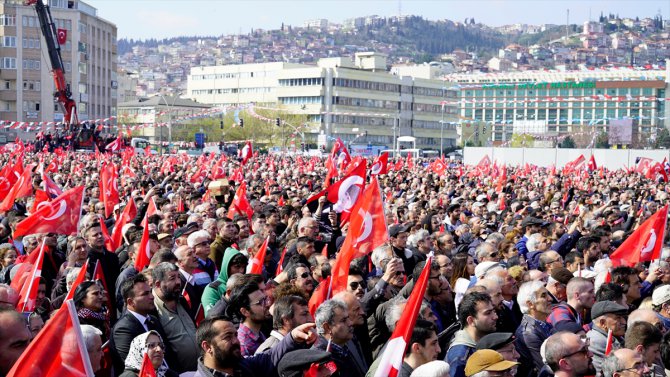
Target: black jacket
point(123, 333)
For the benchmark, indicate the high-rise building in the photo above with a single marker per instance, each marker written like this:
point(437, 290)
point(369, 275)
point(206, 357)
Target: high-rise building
point(89, 57)
point(339, 97)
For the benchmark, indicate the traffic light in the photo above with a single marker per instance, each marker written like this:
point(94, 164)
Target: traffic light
point(302, 147)
point(221, 124)
point(241, 122)
point(277, 122)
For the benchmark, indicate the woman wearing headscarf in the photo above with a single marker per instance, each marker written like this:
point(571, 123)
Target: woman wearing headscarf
point(152, 344)
point(89, 300)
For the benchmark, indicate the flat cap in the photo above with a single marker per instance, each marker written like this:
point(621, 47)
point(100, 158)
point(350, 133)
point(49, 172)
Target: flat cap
point(601, 308)
point(495, 341)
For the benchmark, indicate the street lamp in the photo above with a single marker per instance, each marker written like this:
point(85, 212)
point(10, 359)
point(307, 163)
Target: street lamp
point(169, 109)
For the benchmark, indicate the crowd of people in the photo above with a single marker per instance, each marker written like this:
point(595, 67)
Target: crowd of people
point(520, 283)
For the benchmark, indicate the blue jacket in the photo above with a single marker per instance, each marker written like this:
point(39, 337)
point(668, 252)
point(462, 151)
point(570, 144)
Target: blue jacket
point(459, 351)
point(529, 337)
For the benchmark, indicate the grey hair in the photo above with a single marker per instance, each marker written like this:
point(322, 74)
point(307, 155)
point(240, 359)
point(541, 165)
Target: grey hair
point(379, 254)
point(612, 364)
point(492, 274)
point(159, 273)
point(528, 292)
point(89, 333)
point(326, 314)
point(72, 276)
point(435, 368)
point(533, 241)
point(413, 239)
point(208, 222)
point(252, 240)
point(483, 250)
point(495, 237)
point(394, 312)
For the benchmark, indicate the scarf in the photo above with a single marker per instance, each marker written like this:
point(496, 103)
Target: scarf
point(138, 347)
point(85, 313)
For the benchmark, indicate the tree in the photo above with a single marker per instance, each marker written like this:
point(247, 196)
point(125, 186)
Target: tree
point(602, 141)
point(663, 139)
point(522, 141)
point(568, 142)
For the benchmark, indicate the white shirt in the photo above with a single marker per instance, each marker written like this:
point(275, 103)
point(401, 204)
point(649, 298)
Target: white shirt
point(141, 318)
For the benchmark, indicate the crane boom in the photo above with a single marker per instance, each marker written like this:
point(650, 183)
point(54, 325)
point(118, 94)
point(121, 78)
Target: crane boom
point(63, 93)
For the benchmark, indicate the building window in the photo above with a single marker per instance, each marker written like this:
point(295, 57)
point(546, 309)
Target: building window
point(7, 20)
point(8, 41)
point(8, 63)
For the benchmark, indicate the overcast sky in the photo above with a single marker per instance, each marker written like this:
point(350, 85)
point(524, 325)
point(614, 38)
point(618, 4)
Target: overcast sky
point(142, 19)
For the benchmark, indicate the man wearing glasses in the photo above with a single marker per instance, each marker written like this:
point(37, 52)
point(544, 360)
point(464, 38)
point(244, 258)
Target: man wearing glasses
point(251, 304)
point(568, 355)
point(624, 363)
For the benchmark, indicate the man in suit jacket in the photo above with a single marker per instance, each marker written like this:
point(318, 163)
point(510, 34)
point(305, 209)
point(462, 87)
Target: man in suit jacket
point(137, 319)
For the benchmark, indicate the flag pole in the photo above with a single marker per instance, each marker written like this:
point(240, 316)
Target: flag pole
point(81, 209)
point(80, 338)
point(40, 256)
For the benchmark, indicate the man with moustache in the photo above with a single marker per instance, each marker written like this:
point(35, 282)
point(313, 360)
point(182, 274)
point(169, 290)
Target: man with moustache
point(607, 315)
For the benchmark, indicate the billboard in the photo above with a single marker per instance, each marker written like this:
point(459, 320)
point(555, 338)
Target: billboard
point(620, 131)
point(530, 127)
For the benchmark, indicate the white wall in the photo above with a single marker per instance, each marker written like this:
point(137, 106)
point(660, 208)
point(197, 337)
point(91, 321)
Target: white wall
point(610, 158)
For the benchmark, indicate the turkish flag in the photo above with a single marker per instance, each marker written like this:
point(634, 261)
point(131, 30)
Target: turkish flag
point(247, 152)
point(40, 197)
point(367, 230)
point(281, 262)
point(81, 277)
point(592, 163)
point(22, 188)
point(643, 165)
point(339, 154)
point(50, 186)
point(255, 265)
point(105, 234)
point(28, 291)
point(502, 180)
point(129, 213)
point(342, 195)
point(240, 203)
point(98, 275)
point(321, 294)
point(109, 190)
point(575, 164)
point(143, 253)
point(439, 166)
point(8, 176)
point(391, 359)
point(57, 350)
point(199, 315)
point(60, 216)
point(645, 243)
point(151, 210)
point(115, 145)
point(654, 171)
point(380, 166)
point(609, 343)
point(147, 368)
point(410, 161)
point(398, 165)
point(62, 36)
point(218, 171)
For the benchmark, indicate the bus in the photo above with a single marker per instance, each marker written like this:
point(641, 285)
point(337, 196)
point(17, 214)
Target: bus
point(416, 153)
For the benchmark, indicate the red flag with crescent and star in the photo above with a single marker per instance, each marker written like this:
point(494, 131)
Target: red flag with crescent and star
point(143, 253)
point(380, 166)
point(60, 216)
point(645, 243)
point(62, 36)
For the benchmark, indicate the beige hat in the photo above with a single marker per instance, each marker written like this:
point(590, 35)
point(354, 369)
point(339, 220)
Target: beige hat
point(487, 360)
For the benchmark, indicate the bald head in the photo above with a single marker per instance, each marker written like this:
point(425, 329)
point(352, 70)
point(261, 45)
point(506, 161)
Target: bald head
point(9, 297)
point(353, 305)
point(643, 315)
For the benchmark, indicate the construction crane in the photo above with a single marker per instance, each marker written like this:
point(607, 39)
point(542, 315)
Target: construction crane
point(82, 137)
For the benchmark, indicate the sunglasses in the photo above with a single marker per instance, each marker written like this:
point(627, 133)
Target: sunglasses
point(398, 273)
point(355, 284)
point(304, 275)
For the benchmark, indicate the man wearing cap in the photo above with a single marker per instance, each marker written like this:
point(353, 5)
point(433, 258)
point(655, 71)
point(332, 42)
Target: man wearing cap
point(297, 363)
point(568, 355)
point(530, 225)
point(535, 304)
point(206, 272)
point(181, 234)
point(660, 300)
point(501, 342)
point(558, 283)
point(607, 315)
point(398, 234)
point(489, 363)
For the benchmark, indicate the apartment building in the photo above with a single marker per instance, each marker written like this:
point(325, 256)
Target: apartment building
point(339, 97)
point(89, 57)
